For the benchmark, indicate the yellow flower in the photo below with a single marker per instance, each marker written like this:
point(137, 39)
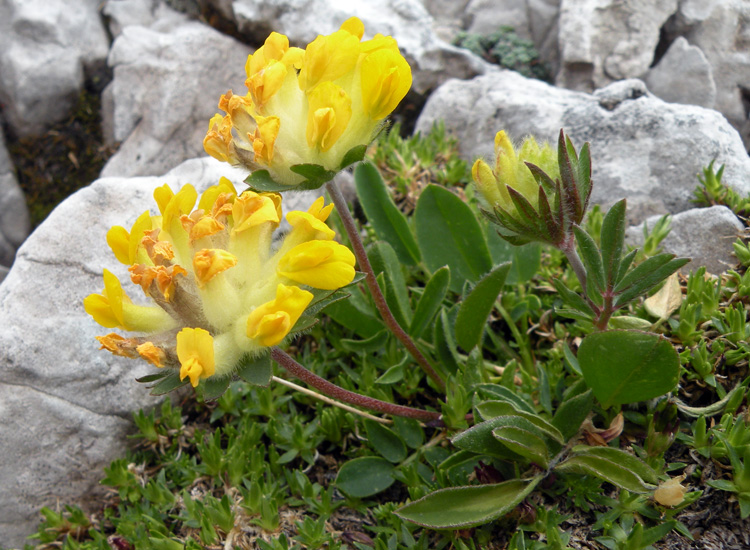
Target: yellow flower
point(326, 265)
point(222, 290)
point(271, 322)
point(309, 106)
point(112, 308)
point(195, 350)
point(511, 171)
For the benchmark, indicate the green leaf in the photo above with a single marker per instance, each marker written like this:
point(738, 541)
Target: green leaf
point(572, 412)
point(445, 345)
point(621, 458)
point(368, 345)
point(614, 473)
point(612, 240)
point(649, 281)
point(355, 154)
point(256, 370)
point(429, 303)
point(449, 234)
point(386, 442)
point(622, 366)
point(461, 507)
point(355, 314)
point(389, 223)
point(384, 260)
point(152, 377)
point(365, 476)
point(395, 373)
point(523, 442)
point(573, 299)
point(168, 383)
point(261, 180)
point(409, 430)
point(591, 257)
point(493, 409)
point(214, 387)
point(475, 309)
point(315, 175)
point(495, 391)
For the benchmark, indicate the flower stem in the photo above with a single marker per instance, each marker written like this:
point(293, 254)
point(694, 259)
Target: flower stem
point(340, 394)
point(377, 295)
point(568, 247)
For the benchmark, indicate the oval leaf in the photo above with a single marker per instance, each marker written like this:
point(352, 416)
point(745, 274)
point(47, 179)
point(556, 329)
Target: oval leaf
point(493, 409)
point(430, 301)
point(467, 506)
point(256, 370)
point(389, 445)
point(523, 442)
point(389, 223)
point(622, 366)
point(449, 234)
point(607, 470)
point(366, 476)
point(476, 307)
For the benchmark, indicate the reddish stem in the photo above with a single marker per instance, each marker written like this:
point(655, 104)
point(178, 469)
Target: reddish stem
point(346, 396)
point(377, 295)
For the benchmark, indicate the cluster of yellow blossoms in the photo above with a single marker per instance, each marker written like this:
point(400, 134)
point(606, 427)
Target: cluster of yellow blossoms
point(220, 290)
point(309, 106)
point(511, 171)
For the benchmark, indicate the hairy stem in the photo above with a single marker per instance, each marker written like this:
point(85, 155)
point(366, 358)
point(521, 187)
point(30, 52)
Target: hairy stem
point(377, 295)
point(340, 394)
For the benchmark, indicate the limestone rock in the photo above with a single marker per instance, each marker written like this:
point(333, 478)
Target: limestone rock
point(703, 234)
point(642, 148)
point(67, 405)
point(432, 60)
point(145, 13)
point(46, 45)
point(606, 40)
point(487, 16)
point(166, 87)
point(14, 215)
point(683, 75)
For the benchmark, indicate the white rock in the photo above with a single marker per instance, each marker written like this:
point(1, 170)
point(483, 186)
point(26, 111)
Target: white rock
point(606, 40)
point(642, 148)
point(46, 44)
point(683, 75)
point(487, 16)
point(432, 60)
point(66, 405)
point(703, 234)
point(144, 13)
point(166, 87)
point(14, 215)
point(447, 17)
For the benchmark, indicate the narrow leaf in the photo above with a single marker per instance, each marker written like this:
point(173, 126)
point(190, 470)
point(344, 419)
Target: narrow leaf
point(493, 409)
point(650, 281)
point(523, 442)
point(591, 257)
point(612, 241)
point(430, 301)
point(462, 507)
point(572, 412)
point(607, 470)
point(355, 154)
point(389, 223)
point(572, 299)
point(623, 458)
point(475, 309)
point(641, 270)
point(494, 391)
point(384, 260)
point(168, 383)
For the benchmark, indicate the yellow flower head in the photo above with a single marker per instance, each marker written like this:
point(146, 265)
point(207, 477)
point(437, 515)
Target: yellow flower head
point(271, 322)
point(220, 289)
point(511, 171)
point(309, 106)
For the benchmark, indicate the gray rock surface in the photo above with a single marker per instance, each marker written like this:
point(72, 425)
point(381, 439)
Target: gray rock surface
point(66, 405)
point(14, 215)
point(703, 234)
point(683, 75)
point(605, 40)
point(166, 87)
point(721, 29)
point(642, 148)
point(46, 45)
point(432, 60)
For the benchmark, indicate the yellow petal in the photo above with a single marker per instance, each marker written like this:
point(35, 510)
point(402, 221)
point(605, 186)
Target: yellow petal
point(386, 78)
point(269, 323)
point(265, 137)
point(354, 26)
point(151, 353)
point(319, 210)
point(162, 196)
point(264, 84)
point(209, 262)
point(251, 209)
point(329, 112)
point(487, 184)
point(180, 203)
point(118, 240)
point(328, 58)
point(310, 226)
point(209, 196)
point(218, 141)
point(195, 351)
point(326, 265)
point(117, 345)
